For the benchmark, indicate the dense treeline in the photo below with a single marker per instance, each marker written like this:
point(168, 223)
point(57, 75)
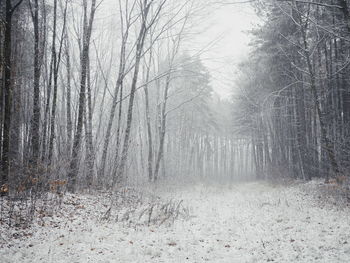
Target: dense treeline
point(69, 90)
point(97, 94)
point(294, 98)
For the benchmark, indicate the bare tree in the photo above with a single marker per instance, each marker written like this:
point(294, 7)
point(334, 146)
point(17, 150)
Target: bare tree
point(145, 26)
point(73, 170)
point(126, 22)
point(7, 93)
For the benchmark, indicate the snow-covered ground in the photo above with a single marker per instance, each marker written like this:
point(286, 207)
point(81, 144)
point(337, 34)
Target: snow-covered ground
point(246, 222)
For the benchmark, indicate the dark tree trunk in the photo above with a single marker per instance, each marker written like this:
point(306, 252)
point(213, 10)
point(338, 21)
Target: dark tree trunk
point(139, 49)
point(7, 93)
point(68, 98)
point(74, 164)
point(35, 125)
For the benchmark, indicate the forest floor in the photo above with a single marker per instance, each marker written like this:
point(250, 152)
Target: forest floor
point(243, 222)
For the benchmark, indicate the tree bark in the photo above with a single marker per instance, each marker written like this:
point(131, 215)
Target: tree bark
point(74, 164)
point(35, 125)
point(7, 93)
point(139, 49)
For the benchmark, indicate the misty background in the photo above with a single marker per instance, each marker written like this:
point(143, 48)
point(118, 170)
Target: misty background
point(174, 130)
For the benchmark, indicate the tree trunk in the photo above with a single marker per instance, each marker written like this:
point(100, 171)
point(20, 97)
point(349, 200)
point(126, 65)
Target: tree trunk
point(7, 93)
point(35, 125)
point(68, 99)
point(114, 103)
point(74, 164)
point(139, 48)
point(326, 143)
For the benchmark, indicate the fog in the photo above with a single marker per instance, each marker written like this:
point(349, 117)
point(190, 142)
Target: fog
point(174, 131)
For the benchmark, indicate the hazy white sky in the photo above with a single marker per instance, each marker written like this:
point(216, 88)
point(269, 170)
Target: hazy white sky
point(226, 25)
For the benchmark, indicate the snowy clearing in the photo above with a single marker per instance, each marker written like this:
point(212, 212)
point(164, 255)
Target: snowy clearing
point(246, 222)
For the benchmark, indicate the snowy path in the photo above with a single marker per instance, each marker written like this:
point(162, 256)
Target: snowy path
point(249, 222)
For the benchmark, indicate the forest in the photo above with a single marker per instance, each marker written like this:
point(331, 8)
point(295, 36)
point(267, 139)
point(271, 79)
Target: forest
point(110, 114)
point(295, 98)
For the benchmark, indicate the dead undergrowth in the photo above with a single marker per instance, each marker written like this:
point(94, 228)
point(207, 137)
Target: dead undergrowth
point(19, 217)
